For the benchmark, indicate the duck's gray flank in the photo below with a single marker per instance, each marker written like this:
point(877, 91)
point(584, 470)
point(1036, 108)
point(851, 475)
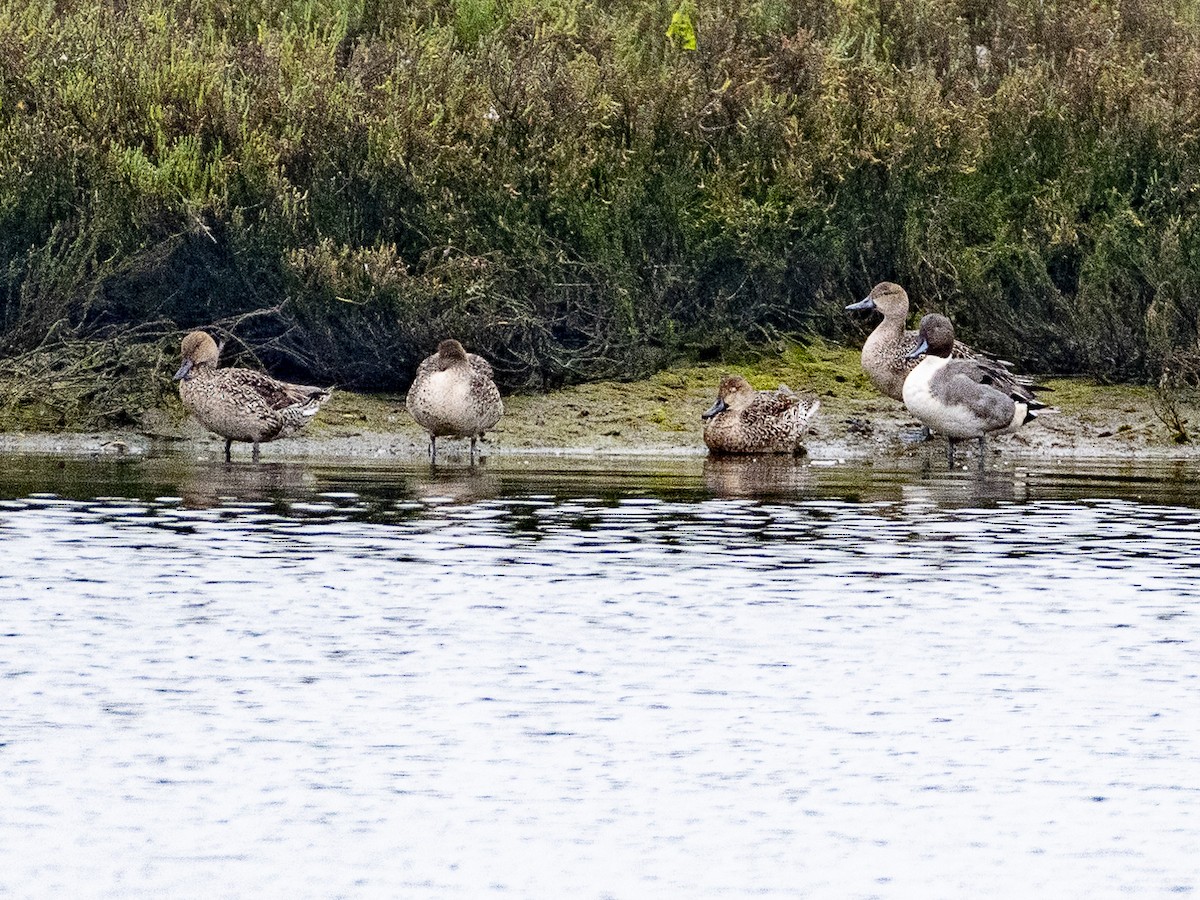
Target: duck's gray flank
point(454, 395)
point(743, 420)
point(241, 404)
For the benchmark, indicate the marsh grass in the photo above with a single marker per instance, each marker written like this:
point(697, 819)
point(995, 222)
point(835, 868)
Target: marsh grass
point(571, 194)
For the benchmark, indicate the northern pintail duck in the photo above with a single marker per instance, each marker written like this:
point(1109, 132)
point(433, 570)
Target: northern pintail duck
point(453, 395)
point(241, 404)
point(744, 420)
point(887, 354)
point(958, 397)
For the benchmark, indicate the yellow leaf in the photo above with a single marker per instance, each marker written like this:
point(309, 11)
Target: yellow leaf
point(682, 31)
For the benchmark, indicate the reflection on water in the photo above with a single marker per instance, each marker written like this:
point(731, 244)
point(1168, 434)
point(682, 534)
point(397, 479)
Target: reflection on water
point(212, 485)
point(756, 476)
point(670, 678)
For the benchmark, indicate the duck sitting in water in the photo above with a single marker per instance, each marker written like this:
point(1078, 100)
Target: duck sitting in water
point(744, 420)
point(887, 354)
point(958, 397)
point(453, 395)
point(241, 404)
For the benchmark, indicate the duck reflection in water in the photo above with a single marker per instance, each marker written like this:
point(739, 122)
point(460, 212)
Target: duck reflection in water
point(755, 476)
point(981, 488)
point(212, 485)
point(456, 486)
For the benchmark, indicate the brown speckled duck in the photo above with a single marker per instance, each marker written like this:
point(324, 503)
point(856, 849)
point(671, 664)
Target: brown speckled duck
point(453, 395)
point(886, 355)
point(744, 420)
point(241, 404)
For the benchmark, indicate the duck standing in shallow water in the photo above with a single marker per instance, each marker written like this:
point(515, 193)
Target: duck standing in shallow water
point(887, 354)
point(241, 404)
point(454, 395)
point(744, 420)
point(958, 397)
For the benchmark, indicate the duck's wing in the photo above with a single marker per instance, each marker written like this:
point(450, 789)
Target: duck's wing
point(773, 407)
point(427, 367)
point(1020, 390)
point(769, 404)
point(276, 395)
point(480, 367)
point(1019, 387)
point(963, 351)
point(998, 373)
point(966, 368)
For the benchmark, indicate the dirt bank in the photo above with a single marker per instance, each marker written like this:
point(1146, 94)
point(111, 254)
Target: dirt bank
point(661, 415)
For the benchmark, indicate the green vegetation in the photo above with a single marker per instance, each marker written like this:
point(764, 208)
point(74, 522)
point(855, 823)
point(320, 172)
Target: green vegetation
point(569, 191)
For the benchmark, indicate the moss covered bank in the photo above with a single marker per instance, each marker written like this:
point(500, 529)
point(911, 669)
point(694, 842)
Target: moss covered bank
point(661, 415)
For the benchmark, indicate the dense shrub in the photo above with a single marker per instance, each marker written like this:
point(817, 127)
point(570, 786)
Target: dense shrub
point(575, 196)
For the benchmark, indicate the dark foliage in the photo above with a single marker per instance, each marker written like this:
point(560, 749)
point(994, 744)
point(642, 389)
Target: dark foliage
point(572, 195)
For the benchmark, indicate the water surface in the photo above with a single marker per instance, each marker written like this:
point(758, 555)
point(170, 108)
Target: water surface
point(627, 678)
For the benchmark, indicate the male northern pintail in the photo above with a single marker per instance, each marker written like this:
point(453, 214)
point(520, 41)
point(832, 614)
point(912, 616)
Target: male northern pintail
point(241, 404)
point(887, 355)
point(744, 420)
point(453, 395)
point(958, 397)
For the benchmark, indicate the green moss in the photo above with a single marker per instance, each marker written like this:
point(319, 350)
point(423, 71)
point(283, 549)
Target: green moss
point(816, 367)
point(1083, 395)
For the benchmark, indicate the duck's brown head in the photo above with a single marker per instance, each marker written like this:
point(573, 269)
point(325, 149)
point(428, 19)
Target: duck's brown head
point(733, 394)
point(936, 337)
point(887, 297)
point(450, 352)
point(198, 349)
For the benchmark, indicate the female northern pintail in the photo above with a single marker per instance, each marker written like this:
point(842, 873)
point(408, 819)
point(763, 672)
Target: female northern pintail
point(241, 404)
point(744, 420)
point(958, 397)
point(887, 355)
point(454, 395)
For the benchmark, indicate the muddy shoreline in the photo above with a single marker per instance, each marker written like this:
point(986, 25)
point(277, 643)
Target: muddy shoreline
point(656, 418)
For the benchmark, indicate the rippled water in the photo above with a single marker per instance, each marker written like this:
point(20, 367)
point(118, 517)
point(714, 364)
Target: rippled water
point(542, 679)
